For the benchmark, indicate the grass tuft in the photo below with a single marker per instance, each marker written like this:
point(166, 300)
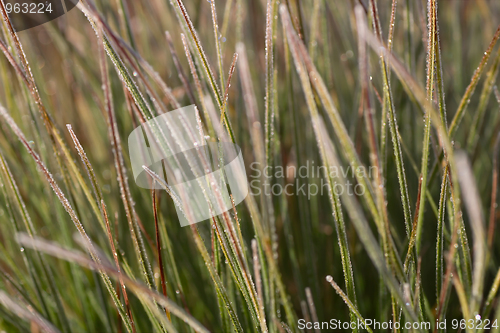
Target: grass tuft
point(374, 99)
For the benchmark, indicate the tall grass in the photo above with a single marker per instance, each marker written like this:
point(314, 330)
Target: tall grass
point(391, 106)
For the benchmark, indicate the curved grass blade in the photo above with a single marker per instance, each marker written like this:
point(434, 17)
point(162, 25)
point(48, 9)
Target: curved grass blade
point(218, 47)
point(391, 115)
point(472, 86)
point(219, 287)
point(138, 288)
point(474, 208)
point(347, 301)
point(67, 206)
point(203, 59)
point(28, 224)
point(26, 313)
point(477, 122)
point(135, 232)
